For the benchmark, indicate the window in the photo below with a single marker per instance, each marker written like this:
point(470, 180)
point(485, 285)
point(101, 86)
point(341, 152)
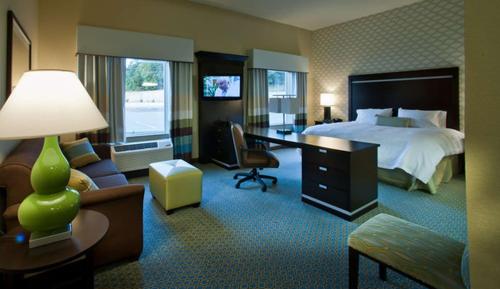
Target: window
point(147, 99)
point(281, 83)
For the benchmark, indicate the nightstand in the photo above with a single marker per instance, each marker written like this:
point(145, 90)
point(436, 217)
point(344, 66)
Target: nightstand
point(316, 122)
point(63, 264)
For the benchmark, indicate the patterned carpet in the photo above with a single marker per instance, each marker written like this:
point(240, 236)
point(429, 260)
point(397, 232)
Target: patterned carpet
point(249, 239)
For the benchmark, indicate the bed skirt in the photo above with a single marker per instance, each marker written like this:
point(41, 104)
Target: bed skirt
point(446, 169)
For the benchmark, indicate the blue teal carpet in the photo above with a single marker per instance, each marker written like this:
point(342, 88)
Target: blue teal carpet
point(249, 239)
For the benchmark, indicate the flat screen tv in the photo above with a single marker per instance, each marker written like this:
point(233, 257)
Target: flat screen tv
point(222, 86)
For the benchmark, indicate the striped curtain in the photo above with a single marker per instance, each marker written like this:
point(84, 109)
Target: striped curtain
point(104, 79)
point(301, 118)
point(257, 102)
point(182, 109)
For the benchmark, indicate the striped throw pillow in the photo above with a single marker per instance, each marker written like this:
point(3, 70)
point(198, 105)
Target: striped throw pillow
point(81, 182)
point(79, 153)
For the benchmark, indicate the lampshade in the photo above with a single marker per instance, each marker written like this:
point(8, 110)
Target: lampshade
point(284, 105)
point(327, 99)
point(48, 103)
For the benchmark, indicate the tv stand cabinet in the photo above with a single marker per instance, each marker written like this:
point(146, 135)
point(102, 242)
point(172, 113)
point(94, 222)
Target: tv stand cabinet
point(214, 111)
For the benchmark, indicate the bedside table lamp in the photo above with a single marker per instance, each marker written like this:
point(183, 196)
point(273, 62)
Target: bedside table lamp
point(327, 101)
point(285, 104)
point(48, 103)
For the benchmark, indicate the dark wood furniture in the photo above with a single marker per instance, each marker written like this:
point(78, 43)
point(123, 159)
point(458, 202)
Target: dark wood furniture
point(222, 150)
point(212, 110)
point(433, 89)
point(53, 265)
point(339, 176)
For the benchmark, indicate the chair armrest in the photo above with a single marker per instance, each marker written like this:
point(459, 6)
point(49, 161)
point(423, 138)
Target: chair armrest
point(10, 217)
point(110, 194)
point(102, 150)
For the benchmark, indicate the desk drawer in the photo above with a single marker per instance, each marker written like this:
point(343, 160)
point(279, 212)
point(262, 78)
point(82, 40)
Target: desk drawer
point(328, 158)
point(333, 177)
point(326, 193)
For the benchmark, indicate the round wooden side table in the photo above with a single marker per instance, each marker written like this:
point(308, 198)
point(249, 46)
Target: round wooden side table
point(18, 262)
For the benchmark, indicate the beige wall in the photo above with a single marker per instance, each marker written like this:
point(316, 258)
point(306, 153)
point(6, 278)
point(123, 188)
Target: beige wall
point(211, 29)
point(27, 13)
point(482, 44)
point(427, 34)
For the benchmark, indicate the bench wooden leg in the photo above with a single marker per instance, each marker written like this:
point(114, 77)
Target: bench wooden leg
point(382, 271)
point(353, 268)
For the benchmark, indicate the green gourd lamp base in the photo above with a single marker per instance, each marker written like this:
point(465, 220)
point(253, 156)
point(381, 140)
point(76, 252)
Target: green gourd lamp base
point(52, 205)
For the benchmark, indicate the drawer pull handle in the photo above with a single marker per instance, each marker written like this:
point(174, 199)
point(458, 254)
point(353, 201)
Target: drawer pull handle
point(323, 169)
point(323, 151)
point(322, 187)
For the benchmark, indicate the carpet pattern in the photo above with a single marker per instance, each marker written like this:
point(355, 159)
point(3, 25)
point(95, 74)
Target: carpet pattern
point(249, 239)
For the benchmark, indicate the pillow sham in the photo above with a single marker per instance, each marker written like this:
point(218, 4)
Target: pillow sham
point(81, 182)
point(369, 115)
point(424, 118)
point(393, 121)
point(79, 153)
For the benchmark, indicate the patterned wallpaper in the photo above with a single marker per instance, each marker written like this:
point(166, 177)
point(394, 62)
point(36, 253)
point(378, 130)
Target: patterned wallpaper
point(427, 34)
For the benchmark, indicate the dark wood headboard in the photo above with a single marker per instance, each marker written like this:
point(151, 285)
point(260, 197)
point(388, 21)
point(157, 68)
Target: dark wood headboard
point(433, 89)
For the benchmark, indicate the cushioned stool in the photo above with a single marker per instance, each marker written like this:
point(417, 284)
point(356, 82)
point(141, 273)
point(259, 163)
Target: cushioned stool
point(175, 184)
point(431, 259)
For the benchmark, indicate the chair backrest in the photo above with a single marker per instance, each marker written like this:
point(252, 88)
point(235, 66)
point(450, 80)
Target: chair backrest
point(239, 142)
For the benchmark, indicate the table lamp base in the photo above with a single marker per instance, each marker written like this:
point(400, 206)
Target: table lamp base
point(38, 239)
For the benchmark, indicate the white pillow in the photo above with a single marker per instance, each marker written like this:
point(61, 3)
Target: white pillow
point(424, 118)
point(369, 115)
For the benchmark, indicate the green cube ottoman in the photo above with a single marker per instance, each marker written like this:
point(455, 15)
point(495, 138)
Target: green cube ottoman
point(175, 184)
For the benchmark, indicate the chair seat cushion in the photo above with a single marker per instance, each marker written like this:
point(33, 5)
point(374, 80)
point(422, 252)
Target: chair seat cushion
point(111, 181)
point(411, 249)
point(260, 158)
point(101, 168)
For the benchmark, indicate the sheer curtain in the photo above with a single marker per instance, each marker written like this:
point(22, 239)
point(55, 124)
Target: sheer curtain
point(257, 100)
point(182, 109)
point(301, 118)
point(104, 79)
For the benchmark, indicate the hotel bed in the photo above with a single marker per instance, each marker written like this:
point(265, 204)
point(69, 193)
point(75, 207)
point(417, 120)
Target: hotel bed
point(414, 158)
point(418, 157)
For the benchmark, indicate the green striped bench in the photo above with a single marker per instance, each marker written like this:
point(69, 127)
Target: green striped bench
point(418, 253)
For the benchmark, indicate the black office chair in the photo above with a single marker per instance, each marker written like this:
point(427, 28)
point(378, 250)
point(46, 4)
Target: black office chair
point(256, 159)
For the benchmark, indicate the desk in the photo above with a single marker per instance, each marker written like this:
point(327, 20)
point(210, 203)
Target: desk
point(339, 176)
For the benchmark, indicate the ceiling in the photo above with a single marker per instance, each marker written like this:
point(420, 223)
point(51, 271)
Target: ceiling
point(308, 14)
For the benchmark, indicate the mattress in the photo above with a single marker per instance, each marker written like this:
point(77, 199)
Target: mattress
point(415, 151)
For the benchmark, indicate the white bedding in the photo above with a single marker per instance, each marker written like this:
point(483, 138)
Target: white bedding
point(417, 151)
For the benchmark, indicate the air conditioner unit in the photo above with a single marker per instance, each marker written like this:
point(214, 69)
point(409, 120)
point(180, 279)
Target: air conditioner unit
point(138, 155)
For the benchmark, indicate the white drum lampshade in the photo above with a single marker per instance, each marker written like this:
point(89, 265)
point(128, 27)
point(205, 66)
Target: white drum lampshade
point(48, 102)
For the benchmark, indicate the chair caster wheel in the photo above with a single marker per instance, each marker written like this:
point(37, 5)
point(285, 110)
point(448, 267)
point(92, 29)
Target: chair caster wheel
point(237, 186)
point(264, 189)
point(274, 182)
point(235, 177)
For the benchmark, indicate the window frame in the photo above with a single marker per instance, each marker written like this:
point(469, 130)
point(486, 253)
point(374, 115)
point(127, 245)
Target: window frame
point(167, 100)
point(289, 118)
